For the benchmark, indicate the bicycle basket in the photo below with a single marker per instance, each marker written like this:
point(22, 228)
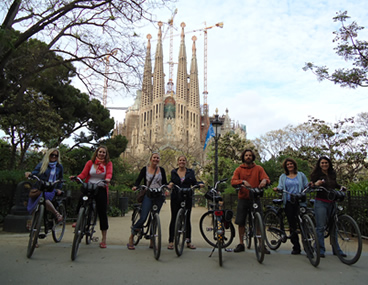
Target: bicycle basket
point(89, 188)
point(154, 193)
point(211, 194)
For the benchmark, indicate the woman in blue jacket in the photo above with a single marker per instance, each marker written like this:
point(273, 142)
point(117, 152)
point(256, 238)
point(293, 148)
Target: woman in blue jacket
point(49, 169)
point(184, 178)
point(294, 182)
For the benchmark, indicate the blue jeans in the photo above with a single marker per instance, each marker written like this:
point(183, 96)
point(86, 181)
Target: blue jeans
point(322, 211)
point(146, 208)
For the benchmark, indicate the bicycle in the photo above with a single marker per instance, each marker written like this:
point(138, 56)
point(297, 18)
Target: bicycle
point(87, 215)
point(181, 218)
point(151, 229)
point(275, 227)
point(216, 225)
point(45, 218)
point(344, 232)
point(254, 226)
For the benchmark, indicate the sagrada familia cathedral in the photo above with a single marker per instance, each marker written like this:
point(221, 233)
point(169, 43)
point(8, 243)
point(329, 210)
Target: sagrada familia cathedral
point(159, 120)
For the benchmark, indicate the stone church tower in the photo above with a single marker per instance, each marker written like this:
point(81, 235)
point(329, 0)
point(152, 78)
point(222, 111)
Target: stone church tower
point(160, 120)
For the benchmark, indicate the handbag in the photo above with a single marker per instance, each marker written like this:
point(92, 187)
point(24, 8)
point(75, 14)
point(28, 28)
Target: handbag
point(143, 192)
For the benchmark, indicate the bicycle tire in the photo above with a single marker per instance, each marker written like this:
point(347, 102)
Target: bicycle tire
point(156, 236)
point(180, 232)
point(91, 222)
point(219, 237)
point(35, 230)
point(310, 240)
point(78, 232)
point(58, 228)
point(206, 227)
point(346, 236)
point(248, 233)
point(259, 237)
point(272, 229)
point(135, 217)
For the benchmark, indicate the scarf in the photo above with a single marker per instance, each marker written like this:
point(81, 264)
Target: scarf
point(100, 163)
point(52, 176)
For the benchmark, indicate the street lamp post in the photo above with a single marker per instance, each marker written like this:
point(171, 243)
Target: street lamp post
point(216, 123)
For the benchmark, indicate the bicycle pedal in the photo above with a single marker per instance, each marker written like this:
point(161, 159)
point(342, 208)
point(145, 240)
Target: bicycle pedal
point(41, 236)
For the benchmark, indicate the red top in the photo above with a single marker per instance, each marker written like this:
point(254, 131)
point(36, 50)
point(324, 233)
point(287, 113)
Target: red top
point(85, 173)
point(254, 174)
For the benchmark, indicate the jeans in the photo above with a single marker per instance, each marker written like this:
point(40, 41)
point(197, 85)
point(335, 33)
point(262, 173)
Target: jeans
point(322, 211)
point(146, 208)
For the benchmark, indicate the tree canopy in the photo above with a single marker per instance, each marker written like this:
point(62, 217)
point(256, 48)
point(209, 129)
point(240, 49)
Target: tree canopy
point(350, 48)
point(79, 31)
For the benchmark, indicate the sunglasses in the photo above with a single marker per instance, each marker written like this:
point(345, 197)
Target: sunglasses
point(54, 155)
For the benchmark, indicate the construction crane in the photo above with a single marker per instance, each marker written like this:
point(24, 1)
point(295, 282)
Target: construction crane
point(107, 66)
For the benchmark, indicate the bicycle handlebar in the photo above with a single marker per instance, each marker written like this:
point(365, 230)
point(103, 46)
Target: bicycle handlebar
point(43, 182)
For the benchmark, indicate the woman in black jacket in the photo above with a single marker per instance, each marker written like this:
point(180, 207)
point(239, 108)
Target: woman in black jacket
point(184, 178)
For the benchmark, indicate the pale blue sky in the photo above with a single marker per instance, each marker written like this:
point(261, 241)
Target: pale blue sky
point(255, 62)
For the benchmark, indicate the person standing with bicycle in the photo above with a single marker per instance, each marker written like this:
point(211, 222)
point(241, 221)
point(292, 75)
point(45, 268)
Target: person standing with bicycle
point(183, 177)
point(96, 169)
point(249, 175)
point(49, 169)
point(293, 181)
point(153, 176)
point(324, 175)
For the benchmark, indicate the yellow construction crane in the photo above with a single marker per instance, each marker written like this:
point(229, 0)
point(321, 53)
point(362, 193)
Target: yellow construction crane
point(107, 66)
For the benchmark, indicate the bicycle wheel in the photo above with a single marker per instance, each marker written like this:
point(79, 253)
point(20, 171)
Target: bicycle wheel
point(91, 222)
point(272, 229)
point(180, 232)
point(58, 228)
point(206, 228)
point(78, 232)
point(248, 232)
point(310, 241)
point(219, 237)
point(35, 230)
point(259, 237)
point(156, 236)
point(135, 217)
point(346, 239)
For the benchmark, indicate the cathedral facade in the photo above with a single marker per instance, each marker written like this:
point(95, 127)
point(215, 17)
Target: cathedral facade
point(162, 119)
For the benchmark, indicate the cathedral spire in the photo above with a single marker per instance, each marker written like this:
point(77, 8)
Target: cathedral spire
point(193, 98)
point(146, 99)
point(158, 74)
point(182, 75)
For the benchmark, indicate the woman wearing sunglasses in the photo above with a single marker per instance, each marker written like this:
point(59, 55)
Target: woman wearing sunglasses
point(49, 169)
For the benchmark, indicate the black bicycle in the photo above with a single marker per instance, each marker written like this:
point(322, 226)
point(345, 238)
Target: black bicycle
point(151, 229)
point(43, 217)
point(275, 227)
point(216, 224)
point(87, 215)
point(254, 227)
point(344, 232)
point(181, 218)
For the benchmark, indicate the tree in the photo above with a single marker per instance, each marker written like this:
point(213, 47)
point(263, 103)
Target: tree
point(115, 145)
point(350, 48)
point(79, 31)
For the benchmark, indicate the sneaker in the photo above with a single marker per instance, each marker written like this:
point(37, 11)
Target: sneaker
point(322, 255)
point(240, 247)
point(295, 252)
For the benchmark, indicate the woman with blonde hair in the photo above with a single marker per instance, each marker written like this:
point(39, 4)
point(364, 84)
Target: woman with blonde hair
point(153, 176)
point(49, 169)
